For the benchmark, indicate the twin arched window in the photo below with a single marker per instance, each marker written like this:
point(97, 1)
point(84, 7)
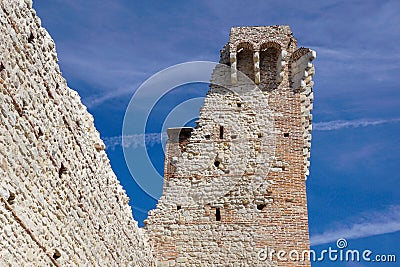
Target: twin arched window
point(268, 62)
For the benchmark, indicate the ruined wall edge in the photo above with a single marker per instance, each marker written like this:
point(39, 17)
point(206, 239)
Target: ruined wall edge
point(60, 202)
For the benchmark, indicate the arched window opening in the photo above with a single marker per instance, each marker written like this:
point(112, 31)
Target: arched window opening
point(245, 62)
point(268, 67)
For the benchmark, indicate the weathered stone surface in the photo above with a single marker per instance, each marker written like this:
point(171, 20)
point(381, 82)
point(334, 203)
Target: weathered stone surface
point(237, 184)
point(60, 202)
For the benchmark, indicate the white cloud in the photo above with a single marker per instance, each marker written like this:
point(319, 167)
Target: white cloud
point(342, 124)
point(367, 224)
point(94, 101)
point(134, 140)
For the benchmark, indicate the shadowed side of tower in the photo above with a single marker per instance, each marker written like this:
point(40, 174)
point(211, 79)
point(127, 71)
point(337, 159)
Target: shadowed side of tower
point(235, 184)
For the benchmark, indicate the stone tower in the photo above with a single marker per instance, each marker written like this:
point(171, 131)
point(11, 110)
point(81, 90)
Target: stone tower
point(234, 185)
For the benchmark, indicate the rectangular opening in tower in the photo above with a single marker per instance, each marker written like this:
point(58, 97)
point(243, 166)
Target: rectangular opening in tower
point(221, 132)
point(217, 214)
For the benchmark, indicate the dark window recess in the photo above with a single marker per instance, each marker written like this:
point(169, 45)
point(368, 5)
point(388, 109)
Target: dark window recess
point(221, 132)
point(259, 135)
point(178, 207)
point(31, 38)
point(207, 136)
point(2, 67)
point(217, 163)
point(56, 254)
point(184, 134)
point(217, 214)
point(286, 134)
point(239, 105)
point(260, 206)
point(62, 170)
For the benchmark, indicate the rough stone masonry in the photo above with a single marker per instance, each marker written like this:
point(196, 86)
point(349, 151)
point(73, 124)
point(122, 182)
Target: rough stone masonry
point(60, 202)
point(233, 185)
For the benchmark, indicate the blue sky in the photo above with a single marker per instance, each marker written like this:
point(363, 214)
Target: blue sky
point(108, 48)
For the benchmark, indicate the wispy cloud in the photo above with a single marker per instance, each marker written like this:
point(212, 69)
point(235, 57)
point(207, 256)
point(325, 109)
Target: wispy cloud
point(343, 124)
point(100, 99)
point(366, 225)
point(134, 140)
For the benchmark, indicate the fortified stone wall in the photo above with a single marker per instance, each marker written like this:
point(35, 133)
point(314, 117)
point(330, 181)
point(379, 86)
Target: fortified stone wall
point(60, 202)
point(235, 184)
